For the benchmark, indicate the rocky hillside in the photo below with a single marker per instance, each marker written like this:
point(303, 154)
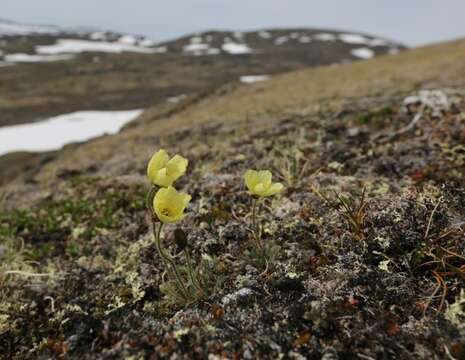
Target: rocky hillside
point(47, 71)
point(365, 251)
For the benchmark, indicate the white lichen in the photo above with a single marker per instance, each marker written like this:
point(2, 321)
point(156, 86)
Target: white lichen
point(234, 297)
point(455, 313)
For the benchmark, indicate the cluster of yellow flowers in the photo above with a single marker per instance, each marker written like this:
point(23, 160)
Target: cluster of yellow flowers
point(169, 204)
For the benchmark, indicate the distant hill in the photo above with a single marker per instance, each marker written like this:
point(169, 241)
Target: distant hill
point(11, 28)
point(63, 70)
point(50, 39)
point(316, 44)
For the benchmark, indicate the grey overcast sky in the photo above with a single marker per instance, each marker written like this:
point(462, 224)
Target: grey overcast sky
point(414, 22)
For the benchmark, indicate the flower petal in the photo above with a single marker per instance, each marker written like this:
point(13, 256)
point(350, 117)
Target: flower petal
point(157, 162)
point(169, 204)
point(260, 189)
point(264, 176)
point(185, 200)
point(274, 189)
point(162, 179)
point(251, 179)
point(176, 167)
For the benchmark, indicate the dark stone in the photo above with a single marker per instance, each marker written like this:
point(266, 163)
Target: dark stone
point(288, 284)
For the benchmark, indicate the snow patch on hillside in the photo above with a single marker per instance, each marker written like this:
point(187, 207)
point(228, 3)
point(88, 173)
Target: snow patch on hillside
point(145, 42)
point(28, 58)
point(98, 36)
point(281, 40)
point(363, 53)
point(294, 35)
point(357, 39)
point(250, 79)
point(73, 46)
point(353, 38)
point(128, 40)
point(176, 99)
point(305, 39)
point(264, 34)
point(379, 42)
point(325, 37)
point(236, 49)
point(198, 49)
point(60, 130)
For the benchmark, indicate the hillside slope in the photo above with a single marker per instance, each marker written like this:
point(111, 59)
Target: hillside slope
point(377, 275)
point(48, 73)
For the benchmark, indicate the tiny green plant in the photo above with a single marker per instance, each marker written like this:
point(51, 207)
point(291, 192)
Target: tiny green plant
point(292, 166)
point(353, 210)
point(166, 205)
point(260, 185)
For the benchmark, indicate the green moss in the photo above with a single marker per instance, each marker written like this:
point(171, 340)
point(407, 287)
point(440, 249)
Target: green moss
point(41, 252)
point(66, 225)
point(83, 180)
point(73, 249)
point(376, 116)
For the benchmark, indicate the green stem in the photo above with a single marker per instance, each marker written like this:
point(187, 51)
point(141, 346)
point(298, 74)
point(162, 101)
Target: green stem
point(190, 272)
point(168, 260)
point(157, 234)
point(255, 225)
point(149, 200)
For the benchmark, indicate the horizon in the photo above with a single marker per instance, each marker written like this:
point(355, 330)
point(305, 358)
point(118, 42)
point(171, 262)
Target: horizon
point(89, 28)
point(417, 23)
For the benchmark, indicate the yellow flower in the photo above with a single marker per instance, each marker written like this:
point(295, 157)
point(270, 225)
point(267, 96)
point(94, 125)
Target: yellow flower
point(163, 171)
point(259, 183)
point(169, 205)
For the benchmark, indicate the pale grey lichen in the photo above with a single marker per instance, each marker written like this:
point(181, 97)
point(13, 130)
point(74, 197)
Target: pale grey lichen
point(455, 313)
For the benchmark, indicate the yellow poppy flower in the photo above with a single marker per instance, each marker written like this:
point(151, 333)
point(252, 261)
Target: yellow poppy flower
point(163, 171)
point(259, 183)
point(169, 204)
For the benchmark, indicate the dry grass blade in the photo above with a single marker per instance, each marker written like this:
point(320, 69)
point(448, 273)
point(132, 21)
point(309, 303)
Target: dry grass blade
point(443, 286)
point(354, 212)
point(292, 167)
point(430, 221)
point(443, 262)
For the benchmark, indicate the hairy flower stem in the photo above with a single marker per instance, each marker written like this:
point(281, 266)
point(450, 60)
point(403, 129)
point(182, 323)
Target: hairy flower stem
point(190, 272)
point(255, 225)
point(168, 259)
point(149, 199)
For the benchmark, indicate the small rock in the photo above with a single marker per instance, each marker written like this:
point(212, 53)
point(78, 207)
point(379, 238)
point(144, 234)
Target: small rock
point(239, 295)
point(352, 132)
point(72, 342)
point(288, 284)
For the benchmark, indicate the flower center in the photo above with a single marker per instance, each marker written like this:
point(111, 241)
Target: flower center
point(166, 212)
